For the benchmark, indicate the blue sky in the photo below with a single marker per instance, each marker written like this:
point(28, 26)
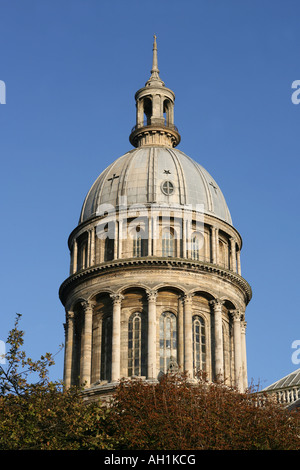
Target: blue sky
point(71, 69)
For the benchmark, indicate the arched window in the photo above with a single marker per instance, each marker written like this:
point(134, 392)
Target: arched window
point(199, 347)
point(136, 350)
point(82, 243)
point(147, 111)
point(168, 112)
point(168, 243)
point(106, 344)
point(167, 340)
point(109, 249)
point(139, 243)
point(197, 246)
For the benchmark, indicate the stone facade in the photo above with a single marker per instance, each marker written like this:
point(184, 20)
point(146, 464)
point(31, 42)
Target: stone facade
point(157, 286)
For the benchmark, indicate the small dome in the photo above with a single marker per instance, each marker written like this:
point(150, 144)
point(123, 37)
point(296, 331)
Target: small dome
point(160, 175)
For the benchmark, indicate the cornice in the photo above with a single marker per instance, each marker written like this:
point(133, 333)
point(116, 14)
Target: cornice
point(153, 263)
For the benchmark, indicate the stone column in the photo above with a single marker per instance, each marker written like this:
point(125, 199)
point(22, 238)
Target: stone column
point(88, 255)
point(155, 229)
point(116, 239)
point(69, 350)
point(92, 260)
point(75, 253)
point(244, 354)
point(180, 334)
point(237, 348)
point(188, 335)
point(213, 244)
point(140, 113)
point(116, 337)
point(217, 245)
point(86, 358)
point(219, 359)
point(184, 250)
point(239, 262)
point(149, 233)
point(151, 356)
point(120, 240)
point(232, 255)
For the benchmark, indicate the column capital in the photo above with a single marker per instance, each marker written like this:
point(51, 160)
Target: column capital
point(70, 316)
point(216, 303)
point(151, 295)
point(187, 298)
point(116, 298)
point(86, 305)
point(236, 314)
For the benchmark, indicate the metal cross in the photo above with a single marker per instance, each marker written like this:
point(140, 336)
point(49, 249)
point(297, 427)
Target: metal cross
point(114, 176)
point(215, 187)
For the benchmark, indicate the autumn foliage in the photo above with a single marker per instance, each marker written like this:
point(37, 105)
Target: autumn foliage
point(172, 414)
point(177, 414)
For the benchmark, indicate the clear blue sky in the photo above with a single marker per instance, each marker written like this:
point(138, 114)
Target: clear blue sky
point(71, 68)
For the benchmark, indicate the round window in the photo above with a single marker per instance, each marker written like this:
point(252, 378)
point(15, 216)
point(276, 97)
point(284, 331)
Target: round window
point(167, 188)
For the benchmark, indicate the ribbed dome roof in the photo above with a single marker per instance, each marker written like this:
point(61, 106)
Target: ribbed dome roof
point(156, 175)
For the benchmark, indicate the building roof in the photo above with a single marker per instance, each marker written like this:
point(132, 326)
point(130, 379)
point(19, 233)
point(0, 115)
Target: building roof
point(289, 381)
point(154, 174)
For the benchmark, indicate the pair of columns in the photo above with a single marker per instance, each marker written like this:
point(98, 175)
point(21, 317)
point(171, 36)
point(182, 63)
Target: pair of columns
point(235, 255)
point(90, 252)
point(239, 341)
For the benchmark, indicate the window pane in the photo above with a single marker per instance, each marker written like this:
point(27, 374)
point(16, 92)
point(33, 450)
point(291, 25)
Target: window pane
point(199, 350)
point(167, 340)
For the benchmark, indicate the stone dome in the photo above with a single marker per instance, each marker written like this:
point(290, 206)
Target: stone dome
point(160, 175)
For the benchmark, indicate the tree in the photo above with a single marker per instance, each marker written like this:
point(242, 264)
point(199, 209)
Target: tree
point(43, 414)
point(177, 414)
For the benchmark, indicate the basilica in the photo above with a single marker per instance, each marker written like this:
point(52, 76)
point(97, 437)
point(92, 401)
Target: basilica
point(155, 281)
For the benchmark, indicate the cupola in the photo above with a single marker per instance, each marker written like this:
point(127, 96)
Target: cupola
point(154, 112)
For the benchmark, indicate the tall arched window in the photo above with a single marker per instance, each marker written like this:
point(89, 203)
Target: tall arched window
point(167, 340)
point(137, 246)
point(199, 347)
point(136, 350)
point(106, 343)
point(139, 243)
point(197, 246)
point(108, 249)
point(147, 111)
point(168, 244)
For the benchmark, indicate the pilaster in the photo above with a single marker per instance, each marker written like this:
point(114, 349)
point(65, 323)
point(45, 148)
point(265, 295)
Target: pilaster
point(116, 336)
point(151, 359)
point(218, 337)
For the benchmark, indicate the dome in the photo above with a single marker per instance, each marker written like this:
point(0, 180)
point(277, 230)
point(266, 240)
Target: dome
point(160, 175)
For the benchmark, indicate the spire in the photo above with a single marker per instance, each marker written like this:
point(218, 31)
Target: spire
point(154, 62)
point(155, 78)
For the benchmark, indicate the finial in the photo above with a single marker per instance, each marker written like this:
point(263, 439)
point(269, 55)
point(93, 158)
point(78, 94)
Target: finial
point(154, 63)
point(154, 71)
